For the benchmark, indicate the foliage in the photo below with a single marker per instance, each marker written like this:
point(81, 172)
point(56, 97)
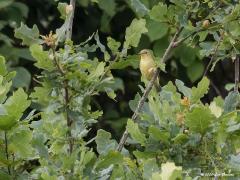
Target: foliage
point(47, 134)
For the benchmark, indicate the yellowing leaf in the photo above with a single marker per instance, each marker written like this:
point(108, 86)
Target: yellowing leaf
point(215, 110)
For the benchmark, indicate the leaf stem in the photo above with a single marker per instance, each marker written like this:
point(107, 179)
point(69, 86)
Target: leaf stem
point(66, 100)
point(148, 89)
point(236, 74)
point(6, 150)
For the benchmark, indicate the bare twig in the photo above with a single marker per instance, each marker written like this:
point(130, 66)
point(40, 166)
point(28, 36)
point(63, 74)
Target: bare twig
point(236, 74)
point(215, 88)
point(148, 89)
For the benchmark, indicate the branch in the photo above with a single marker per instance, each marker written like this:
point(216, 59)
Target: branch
point(69, 29)
point(65, 82)
point(236, 74)
point(147, 90)
point(175, 44)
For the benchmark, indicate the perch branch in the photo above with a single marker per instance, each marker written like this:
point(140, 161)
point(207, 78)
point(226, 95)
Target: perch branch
point(147, 90)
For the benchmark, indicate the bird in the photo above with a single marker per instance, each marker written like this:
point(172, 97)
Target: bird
point(148, 66)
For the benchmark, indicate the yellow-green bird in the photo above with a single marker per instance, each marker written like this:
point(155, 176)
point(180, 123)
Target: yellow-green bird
point(148, 66)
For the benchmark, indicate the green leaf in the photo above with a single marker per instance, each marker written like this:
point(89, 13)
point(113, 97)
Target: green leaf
point(27, 35)
point(183, 89)
point(156, 30)
point(3, 69)
point(199, 119)
point(104, 142)
point(113, 45)
point(144, 155)
point(180, 138)
point(4, 89)
point(108, 6)
point(113, 157)
point(160, 46)
point(99, 44)
point(134, 32)
point(149, 167)
point(132, 61)
point(62, 9)
point(110, 92)
point(41, 94)
point(195, 71)
point(234, 162)
point(20, 142)
point(139, 7)
point(22, 78)
point(42, 57)
point(215, 109)
point(233, 128)
point(4, 175)
point(199, 91)
point(96, 73)
point(15, 106)
point(231, 102)
point(186, 54)
point(5, 3)
point(135, 132)
point(159, 135)
point(159, 12)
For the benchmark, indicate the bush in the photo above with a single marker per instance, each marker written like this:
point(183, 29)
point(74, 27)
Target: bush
point(173, 134)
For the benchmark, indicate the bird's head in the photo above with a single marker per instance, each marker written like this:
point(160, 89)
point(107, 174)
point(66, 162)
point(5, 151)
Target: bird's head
point(145, 53)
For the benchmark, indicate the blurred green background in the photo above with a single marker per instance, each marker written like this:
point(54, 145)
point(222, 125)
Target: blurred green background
point(110, 18)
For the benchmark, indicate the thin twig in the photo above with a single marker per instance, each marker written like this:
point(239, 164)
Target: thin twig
point(236, 74)
point(186, 37)
point(66, 99)
point(65, 82)
point(6, 150)
point(213, 56)
point(148, 89)
point(215, 88)
point(103, 75)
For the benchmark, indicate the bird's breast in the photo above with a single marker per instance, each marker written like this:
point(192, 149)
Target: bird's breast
point(145, 66)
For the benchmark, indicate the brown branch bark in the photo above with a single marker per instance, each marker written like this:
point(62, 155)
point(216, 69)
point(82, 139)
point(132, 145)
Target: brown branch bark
point(70, 27)
point(148, 89)
point(65, 82)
